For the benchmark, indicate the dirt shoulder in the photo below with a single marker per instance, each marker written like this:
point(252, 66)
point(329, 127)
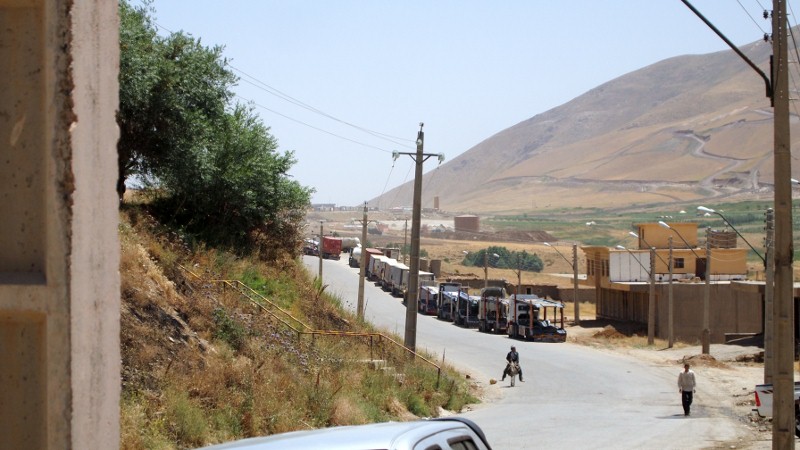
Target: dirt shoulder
point(726, 376)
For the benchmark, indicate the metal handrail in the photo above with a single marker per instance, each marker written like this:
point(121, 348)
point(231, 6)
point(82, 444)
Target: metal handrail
point(309, 331)
point(239, 283)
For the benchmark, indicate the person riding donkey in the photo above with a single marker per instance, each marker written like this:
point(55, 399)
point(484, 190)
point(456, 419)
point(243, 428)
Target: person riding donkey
point(512, 357)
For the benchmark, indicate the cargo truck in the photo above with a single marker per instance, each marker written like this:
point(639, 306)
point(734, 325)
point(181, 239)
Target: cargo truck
point(355, 257)
point(398, 279)
point(349, 243)
point(385, 268)
point(331, 247)
point(374, 264)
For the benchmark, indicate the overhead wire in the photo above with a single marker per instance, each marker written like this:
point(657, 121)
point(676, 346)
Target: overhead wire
point(399, 187)
point(255, 82)
point(273, 91)
point(312, 126)
point(750, 16)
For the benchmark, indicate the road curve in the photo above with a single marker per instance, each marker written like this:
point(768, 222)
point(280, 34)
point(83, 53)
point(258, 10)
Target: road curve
point(574, 396)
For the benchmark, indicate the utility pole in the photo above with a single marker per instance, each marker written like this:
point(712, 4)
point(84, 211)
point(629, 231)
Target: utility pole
point(486, 269)
point(319, 251)
point(706, 333)
point(405, 236)
point(706, 338)
point(651, 303)
point(362, 266)
point(413, 272)
point(783, 291)
point(769, 308)
point(575, 283)
point(670, 314)
point(783, 423)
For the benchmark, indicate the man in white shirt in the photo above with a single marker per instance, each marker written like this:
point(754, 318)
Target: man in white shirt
point(686, 386)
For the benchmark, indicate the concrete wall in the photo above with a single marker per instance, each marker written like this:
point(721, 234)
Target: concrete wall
point(59, 255)
point(731, 310)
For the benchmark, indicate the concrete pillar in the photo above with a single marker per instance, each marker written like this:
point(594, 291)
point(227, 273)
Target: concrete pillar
point(59, 253)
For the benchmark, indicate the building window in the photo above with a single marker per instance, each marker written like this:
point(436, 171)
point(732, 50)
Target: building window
point(679, 263)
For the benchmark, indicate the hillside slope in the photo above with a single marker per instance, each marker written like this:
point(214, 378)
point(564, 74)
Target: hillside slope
point(203, 363)
point(689, 128)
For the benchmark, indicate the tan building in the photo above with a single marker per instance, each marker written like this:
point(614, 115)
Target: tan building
point(621, 278)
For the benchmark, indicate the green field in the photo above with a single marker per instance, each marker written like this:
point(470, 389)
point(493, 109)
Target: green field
point(592, 226)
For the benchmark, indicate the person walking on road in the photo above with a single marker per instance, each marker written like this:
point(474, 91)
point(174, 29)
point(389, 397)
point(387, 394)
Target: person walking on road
point(686, 386)
point(512, 356)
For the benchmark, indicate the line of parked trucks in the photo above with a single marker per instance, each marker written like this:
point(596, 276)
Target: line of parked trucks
point(525, 316)
point(332, 246)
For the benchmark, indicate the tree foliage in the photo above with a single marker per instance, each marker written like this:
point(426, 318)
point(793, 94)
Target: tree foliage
point(173, 93)
point(215, 166)
point(501, 258)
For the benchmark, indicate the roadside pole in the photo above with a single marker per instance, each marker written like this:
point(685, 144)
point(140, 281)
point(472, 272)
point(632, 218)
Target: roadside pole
point(419, 157)
point(706, 337)
point(319, 252)
point(651, 303)
point(769, 307)
point(575, 298)
point(670, 314)
point(362, 266)
point(783, 422)
point(486, 269)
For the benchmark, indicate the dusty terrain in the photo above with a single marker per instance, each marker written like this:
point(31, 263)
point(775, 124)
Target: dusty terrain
point(726, 377)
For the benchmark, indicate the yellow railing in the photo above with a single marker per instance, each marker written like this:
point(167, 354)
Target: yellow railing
point(246, 291)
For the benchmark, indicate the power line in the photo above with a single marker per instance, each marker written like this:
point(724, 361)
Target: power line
point(273, 91)
point(253, 81)
point(750, 16)
point(312, 126)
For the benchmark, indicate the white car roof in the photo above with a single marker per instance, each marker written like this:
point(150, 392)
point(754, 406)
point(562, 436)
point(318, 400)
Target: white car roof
point(386, 435)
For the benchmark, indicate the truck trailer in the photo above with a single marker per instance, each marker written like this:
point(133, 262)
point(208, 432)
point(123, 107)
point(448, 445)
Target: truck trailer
point(331, 247)
point(448, 297)
point(398, 279)
point(467, 309)
point(349, 243)
point(427, 303)
point(493, 310)
point(527, 319)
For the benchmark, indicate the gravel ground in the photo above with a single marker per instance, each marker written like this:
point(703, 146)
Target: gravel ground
point(726, 377)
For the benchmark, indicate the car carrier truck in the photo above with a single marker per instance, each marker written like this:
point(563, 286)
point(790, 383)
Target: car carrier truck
point(527, 319)
point(493, 310)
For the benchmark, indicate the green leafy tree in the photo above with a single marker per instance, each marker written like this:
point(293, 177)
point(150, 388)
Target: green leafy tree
point(173, 93)
point(214, 165)
point(237, 190)
point(501, 258)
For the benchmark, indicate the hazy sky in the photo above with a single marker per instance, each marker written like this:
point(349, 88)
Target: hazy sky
point(332, 78)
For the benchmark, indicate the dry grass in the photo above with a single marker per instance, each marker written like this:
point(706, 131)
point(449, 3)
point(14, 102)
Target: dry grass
point(201, 366)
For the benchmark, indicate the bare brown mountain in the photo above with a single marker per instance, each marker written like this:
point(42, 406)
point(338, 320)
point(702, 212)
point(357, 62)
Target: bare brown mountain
point(687, 129)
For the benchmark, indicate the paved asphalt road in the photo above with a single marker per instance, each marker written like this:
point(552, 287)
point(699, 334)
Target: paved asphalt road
point(574, 396)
